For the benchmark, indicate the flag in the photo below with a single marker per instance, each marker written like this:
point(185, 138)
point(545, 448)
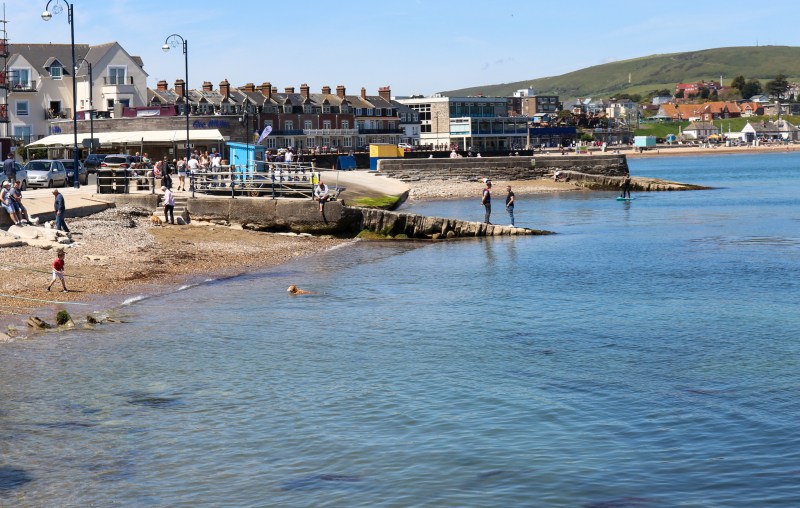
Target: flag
point(264, 134)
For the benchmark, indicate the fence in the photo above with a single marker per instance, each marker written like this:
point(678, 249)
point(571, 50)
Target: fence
point(270, 179)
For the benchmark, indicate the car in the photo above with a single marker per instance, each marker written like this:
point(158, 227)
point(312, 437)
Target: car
point(405, 146)
point(83, 177)
point(22, 176)
point(46, 173)
point(93, 161)
point(118, 161)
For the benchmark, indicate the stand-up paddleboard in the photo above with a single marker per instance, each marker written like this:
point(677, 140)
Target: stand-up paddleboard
point(620, 198)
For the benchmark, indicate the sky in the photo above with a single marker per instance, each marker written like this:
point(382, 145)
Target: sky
point(412, 46)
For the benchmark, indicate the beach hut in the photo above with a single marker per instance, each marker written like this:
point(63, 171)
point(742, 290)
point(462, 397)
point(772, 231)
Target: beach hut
point(378, 151)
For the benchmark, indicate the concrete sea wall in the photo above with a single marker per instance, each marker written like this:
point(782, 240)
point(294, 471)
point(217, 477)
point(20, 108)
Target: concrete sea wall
point(502, 168)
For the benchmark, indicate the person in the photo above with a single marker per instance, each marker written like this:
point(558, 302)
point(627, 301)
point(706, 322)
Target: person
point(626, 187)
point(60, 208)
point(321, 194)
point(10, 168)
point(216, 165)
point(486, 199)
point(510, 204)
point(191, 166)
point(15, 195)
point(58, 271)
point(169, 205)
point(182, 166)
point(8, 203)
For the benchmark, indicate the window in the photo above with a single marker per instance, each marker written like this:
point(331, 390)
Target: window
point(55, 71)
point(110, 104)
point(116, 75)
point(288, 125)
point(287, 108)
point(22, 108)
point(126, 103)
point(326, 109)
point(345, 124)
point(19, 78)
point(359, 112)
point(307, 125)
point(370, 111)
point(23, 131)
point(326, 124)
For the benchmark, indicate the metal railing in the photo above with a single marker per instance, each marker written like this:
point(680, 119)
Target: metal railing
point(270, 179)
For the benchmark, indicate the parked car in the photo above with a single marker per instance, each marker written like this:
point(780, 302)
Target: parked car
point(46, 173)
point(22, 176)
point(93, 161)
point(118, 161)
point(405, 146)
point(83, 174)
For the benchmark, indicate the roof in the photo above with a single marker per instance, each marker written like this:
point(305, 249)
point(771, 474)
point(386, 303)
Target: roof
point(132, 137)
point(39, 55)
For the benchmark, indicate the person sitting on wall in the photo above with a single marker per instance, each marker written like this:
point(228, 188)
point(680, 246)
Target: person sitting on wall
point(321, 194)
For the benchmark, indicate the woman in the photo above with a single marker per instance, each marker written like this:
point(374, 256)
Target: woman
point(182, 174)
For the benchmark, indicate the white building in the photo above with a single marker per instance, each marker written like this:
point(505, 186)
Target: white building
point(40, 85)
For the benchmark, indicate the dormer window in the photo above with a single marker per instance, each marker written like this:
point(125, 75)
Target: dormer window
point(287, 108)
point(326, 109)
point(56, 71)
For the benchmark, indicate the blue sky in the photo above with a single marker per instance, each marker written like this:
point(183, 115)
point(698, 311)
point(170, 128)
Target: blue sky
point(413, 46)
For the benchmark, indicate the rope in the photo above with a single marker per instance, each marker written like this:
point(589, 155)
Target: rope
point(44, 271)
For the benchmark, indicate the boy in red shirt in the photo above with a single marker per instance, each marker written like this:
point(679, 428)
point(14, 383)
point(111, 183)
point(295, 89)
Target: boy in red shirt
point(58, 271)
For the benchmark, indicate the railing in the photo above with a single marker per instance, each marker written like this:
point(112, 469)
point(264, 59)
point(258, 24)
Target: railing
point(271, 179)
point(108, 81)
point(330, 132)
point(64, 114)
point(22, 87)
point(381, 131)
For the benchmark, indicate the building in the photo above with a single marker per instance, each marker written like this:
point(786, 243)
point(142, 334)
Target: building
point(526, 103)
point(40, 80)
point(700, 130)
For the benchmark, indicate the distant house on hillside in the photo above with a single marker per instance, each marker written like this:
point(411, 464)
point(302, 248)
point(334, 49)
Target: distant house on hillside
point(760, 99)
point(700, 130)
point(780, 129)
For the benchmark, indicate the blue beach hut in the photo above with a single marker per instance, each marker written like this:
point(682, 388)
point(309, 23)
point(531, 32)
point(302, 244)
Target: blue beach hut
point(246, 158)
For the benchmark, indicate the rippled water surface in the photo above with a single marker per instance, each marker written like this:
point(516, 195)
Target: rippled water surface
point(645, 356)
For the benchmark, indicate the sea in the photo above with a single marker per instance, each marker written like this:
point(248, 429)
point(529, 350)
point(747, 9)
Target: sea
point(647, 354)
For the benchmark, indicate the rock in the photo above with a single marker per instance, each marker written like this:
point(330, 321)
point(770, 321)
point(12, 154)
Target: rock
point(38, 323)
point(92, 257)
point(91, 319)
point(4, 337)
point(179, 221)
point(436, 236)
point(65, 240)
point(451, 234)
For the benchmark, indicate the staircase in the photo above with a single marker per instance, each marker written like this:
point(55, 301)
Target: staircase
point(180, 207)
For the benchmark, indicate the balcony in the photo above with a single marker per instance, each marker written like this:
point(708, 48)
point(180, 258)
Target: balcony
point(330, 132)
point(116, 82)
point(56, 115)
point(4, 113)
point(381, 131)
point(288, 132)
point(22, 87)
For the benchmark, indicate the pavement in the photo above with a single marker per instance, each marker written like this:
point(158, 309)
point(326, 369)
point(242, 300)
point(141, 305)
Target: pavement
point(85, 200)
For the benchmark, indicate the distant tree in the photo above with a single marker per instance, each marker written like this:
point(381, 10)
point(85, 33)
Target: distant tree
point(704, 93)
point(751, 88)
point(679, 94)
point(738, 83)
point(714, 95)
point(730, 94)
point(777, 87)
point(565, 117)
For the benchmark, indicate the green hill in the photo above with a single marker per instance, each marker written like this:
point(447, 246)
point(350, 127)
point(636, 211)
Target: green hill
point(654, 72)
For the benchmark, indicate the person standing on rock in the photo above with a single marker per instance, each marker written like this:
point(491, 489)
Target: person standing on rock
point(486, 200)
point(510, 205)
point(169, 205)
point(58, 271)
point(60, 208)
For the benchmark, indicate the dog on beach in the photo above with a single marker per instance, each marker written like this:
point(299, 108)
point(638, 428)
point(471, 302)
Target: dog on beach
point(295, 291)
point(155, 220)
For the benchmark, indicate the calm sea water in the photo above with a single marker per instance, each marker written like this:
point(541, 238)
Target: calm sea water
point(645, 356)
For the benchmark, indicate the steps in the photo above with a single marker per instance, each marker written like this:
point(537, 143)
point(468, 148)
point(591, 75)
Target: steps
point(180, 206)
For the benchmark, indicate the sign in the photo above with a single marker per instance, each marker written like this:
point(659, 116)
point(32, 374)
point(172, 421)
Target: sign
point(93, 142)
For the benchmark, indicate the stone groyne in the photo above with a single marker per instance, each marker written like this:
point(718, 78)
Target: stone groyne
point(638, 184)
point(503, 168)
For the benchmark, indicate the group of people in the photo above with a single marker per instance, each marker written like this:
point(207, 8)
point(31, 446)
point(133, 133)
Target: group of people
point(486, 201)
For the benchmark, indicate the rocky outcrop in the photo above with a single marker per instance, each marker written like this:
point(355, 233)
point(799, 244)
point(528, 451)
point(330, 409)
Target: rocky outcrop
point(639, 184)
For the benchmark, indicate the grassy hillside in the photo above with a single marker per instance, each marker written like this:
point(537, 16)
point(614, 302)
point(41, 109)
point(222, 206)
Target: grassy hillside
point(656, 72)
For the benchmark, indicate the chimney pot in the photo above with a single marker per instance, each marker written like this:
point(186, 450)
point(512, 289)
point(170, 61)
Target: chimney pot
point(363, 93)
point(326, 90)
point(288, 89)
point(340, 91)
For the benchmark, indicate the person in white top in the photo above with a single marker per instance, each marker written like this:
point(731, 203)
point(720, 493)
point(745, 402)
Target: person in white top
point(192, 166)
point(169, 205)
point(289, 157)
point(216, 165)
point(321, 194)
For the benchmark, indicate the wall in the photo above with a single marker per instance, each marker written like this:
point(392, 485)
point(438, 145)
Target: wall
point(505, 168)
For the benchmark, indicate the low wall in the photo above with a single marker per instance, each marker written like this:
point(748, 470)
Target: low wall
point(502, 168)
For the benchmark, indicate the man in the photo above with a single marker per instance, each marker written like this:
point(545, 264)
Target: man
point(321, 194)
point(10, 168)
point(60, 208)
point(486, 199)
point(510, 204)
point(7, 203)
point(15, 197)
point(626, 187)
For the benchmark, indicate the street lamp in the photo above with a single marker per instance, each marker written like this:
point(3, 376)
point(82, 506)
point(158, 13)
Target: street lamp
point(91, 105)
point(172, 41)
point(47, 15)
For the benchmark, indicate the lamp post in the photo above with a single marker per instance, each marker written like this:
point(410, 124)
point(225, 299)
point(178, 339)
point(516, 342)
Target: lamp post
point(47, 15)
point(172, 42)
point(91, 106)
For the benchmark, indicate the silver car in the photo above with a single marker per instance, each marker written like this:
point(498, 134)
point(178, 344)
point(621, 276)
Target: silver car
point(46, 173)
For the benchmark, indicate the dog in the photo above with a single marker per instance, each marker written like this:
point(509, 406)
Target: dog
point(295, 291)
point(155, 220)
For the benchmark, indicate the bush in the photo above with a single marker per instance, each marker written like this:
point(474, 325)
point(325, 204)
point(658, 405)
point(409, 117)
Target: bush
point(63, 317)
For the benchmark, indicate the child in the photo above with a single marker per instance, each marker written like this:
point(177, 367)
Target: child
point(58, 271)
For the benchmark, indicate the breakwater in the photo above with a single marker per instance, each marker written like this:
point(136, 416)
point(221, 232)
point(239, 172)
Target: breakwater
point(502, 168)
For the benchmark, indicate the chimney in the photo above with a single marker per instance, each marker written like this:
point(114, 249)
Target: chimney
point(207, 86)
point(363, 93)
point(225, 88)
point(304, 90)
point(266, 89)
point(340, 91)
point(180, 88)
point(162, 85)
point(326, 90)
point(249, 87)
point(385, 92)
point(274, 90)
point(288, 89)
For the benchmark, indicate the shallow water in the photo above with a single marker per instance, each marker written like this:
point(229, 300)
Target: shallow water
point(645, 356)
